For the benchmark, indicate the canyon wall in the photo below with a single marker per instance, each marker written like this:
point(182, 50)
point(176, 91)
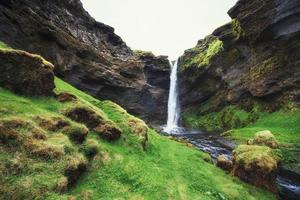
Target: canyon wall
point(88, 54)
point(254, 58)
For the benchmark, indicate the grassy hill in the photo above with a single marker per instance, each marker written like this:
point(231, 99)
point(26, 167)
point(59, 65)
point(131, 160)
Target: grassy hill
point(50, 149)
point(120, 170)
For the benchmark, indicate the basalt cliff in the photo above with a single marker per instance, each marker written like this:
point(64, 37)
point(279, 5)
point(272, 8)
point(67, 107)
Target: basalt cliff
point(88, 54)
point(253, 59)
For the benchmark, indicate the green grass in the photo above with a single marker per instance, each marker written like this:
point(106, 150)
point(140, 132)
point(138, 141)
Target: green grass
point(167, 170)
point(122, 170)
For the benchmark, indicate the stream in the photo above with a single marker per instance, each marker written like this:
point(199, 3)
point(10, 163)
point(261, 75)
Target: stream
point(216, 145)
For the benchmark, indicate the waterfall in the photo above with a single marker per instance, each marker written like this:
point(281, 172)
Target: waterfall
point(173, 103)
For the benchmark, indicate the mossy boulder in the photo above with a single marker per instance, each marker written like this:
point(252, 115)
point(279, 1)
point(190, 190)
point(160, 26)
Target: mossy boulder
point(26, 73)
point(257, 165)
point(265, 138)
point(224, 163)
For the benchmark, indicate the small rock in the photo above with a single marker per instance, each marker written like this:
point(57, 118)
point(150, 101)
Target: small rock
point(224, 163)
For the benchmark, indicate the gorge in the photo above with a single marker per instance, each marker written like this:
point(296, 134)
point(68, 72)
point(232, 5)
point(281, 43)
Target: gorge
point(81, 112)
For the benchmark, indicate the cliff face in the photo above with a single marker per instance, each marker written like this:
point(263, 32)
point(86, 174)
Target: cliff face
point(253, 58)
point(86, 53)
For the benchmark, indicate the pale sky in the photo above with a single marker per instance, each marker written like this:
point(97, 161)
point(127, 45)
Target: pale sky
point(165, 27)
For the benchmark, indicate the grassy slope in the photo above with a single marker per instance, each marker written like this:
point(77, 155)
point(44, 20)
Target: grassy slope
point(167, 170)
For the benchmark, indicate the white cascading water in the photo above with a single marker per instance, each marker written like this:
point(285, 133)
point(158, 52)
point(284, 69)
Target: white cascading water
point(173, 103)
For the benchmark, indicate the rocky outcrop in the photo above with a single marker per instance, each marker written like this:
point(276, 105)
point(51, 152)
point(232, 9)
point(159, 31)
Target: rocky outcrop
point(257, 59)
point(25, 73)
point(157, 75)
point(86, 53)
point(257, 165)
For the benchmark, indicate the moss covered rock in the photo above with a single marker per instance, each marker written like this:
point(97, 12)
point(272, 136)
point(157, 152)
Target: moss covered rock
point(265, 138)
point(257, 165)
point(26, 73)
point(224, 163)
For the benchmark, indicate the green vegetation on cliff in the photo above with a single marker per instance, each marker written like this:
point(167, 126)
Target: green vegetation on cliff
point(3, 45)
point(237, 29)
point(202, 54)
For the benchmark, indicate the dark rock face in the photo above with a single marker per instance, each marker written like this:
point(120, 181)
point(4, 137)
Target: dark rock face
point(157, 75)
point(25, 73)
point(86, 53)
point(259, 60)
point(268, 19)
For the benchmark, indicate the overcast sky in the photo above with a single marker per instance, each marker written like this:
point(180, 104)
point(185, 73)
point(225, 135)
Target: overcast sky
point(165, 27)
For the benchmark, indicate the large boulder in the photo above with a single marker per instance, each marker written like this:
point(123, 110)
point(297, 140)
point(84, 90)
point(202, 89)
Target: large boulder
point(257, 165)
point(26, 73)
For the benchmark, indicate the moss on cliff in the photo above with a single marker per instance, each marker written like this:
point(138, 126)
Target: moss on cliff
point(141, 53)
point(266, 67)
point(237, 29)
point(228, 118)
point(202, 54)
point(4, 46)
